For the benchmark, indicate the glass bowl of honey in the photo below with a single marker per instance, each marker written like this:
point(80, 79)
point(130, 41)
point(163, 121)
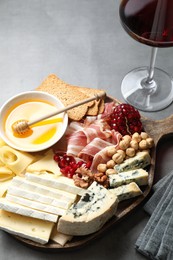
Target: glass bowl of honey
point(30, 106)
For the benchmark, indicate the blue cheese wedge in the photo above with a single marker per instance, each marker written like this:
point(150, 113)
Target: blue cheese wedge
point(92, 211)
point(34, 229)
point(127, 191)
point(141, 160)
point(140, 176)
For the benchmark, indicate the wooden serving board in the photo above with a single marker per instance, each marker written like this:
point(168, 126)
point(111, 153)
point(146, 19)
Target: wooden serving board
point(157, 130)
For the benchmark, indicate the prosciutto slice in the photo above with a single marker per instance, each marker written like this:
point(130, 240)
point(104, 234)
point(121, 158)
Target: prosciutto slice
point(77, 140)
point(93, 148)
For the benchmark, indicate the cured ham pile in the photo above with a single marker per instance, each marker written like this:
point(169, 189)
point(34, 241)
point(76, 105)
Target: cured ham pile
point(88, 139)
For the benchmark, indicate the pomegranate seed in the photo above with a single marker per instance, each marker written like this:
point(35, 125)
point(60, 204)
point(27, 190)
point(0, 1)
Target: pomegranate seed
point(68, 158)
point(62, 163)
point(79, 164)
point(88, 164)
point(68, 164)
point(56, 158)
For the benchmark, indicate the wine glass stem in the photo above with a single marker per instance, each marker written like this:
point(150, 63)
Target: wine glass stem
point(152, 64)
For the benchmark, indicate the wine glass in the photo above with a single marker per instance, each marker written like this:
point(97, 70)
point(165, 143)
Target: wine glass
point(150, 22)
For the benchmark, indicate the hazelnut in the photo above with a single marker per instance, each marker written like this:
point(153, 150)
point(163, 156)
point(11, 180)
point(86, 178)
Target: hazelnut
point(144, 135)
point(134, 145)
point(118, 158)
point(111, 150)
point(127, 138)
point(101, 167)
point(143, 145)
point(130, 152)
point(110, 164)
point(136, 136)
point(110, 171)
point(122, 153)
point(123, 144)
point(150, 142)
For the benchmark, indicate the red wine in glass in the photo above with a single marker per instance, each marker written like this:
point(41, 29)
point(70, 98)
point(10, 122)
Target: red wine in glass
point(150, 22)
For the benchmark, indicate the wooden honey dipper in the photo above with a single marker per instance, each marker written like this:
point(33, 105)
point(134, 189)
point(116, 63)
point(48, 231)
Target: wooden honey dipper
point(22, 126)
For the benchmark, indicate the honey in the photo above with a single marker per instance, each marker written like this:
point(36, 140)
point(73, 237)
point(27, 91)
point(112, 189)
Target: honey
point(46, 136)
point(39, 133)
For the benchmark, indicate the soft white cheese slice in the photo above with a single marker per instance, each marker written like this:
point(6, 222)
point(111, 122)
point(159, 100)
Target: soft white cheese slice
point(92, 211)
point(34, 229)
point(140, 176)
point(35, 205)
point(35, 196)
point(25, 211)
point(43, 189)
point(127, 191)
point(56, 182)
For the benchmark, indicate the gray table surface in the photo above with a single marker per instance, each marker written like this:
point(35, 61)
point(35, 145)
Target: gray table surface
point(82, 42)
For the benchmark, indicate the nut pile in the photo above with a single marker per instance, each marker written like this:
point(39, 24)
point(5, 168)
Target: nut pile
point(128, 147)
point(84, 177)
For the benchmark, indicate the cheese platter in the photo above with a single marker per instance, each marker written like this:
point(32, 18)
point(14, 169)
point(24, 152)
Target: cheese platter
point(120, 208)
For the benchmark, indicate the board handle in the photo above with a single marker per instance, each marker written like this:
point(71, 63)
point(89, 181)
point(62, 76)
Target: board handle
point(158, 128)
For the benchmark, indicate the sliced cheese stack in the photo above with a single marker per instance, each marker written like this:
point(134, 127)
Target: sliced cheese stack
point(47, 200)
point(91, 212)
point(30, 210)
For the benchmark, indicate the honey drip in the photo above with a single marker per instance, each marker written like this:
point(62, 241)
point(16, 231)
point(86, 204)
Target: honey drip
point(45, 136)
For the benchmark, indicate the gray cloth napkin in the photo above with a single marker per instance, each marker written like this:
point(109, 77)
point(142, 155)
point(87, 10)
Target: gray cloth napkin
point(156, 240)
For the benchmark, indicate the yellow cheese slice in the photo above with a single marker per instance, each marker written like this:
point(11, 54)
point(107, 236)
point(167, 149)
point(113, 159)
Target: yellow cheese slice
point(59, 238)
point(45, 164)
point(34, 229)
point(15, 160)
point(5, 173)
point(4, 186)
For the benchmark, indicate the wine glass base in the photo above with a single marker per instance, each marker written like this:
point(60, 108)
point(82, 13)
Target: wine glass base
point(156, 97)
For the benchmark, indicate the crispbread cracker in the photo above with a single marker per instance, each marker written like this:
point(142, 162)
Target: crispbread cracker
point(90, 92)
point(101, 106)
point(69, 94)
